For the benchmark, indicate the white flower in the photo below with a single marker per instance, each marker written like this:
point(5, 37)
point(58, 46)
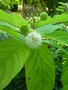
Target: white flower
point(33, 39)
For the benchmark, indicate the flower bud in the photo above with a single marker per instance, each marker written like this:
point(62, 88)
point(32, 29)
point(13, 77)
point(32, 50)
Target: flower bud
point(43, 16)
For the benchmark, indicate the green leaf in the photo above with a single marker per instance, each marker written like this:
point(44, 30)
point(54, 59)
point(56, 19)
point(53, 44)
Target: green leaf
point(29, 1)
point(10, 29)
point(12, 32)
point(64, 75)
point(46, 29)
point(2, 23)
point(40, 69)
point(12, 58)
point(65, 87)
point(59, 36)
point(14, 19)
point(54, 44)
point(55, 19)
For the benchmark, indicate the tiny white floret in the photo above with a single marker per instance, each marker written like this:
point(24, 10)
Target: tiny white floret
point(33, 39)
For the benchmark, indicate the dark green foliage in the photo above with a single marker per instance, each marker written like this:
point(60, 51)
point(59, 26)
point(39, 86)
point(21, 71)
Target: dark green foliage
point(14, 7)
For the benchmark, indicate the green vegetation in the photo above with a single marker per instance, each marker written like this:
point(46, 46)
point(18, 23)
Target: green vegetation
point(33, 45)
point(43, 16)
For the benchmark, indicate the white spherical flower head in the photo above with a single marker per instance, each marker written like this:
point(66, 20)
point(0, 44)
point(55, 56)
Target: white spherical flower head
point(33, 39)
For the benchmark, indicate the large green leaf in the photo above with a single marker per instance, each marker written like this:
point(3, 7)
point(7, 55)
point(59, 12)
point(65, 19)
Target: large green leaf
point(64, 75)
point(40, 69)
point(13, 33)
point(2, 23)
point(14, 19)
point(55, 19)
point(10, 29)
point(12, 58)
point(46, 29)
point(59, 36)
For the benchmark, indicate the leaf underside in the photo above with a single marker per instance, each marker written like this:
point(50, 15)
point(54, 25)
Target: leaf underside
point(46, 29)
point(59, 36)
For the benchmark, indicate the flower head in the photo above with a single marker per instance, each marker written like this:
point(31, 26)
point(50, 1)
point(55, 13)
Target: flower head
point(33, 39)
